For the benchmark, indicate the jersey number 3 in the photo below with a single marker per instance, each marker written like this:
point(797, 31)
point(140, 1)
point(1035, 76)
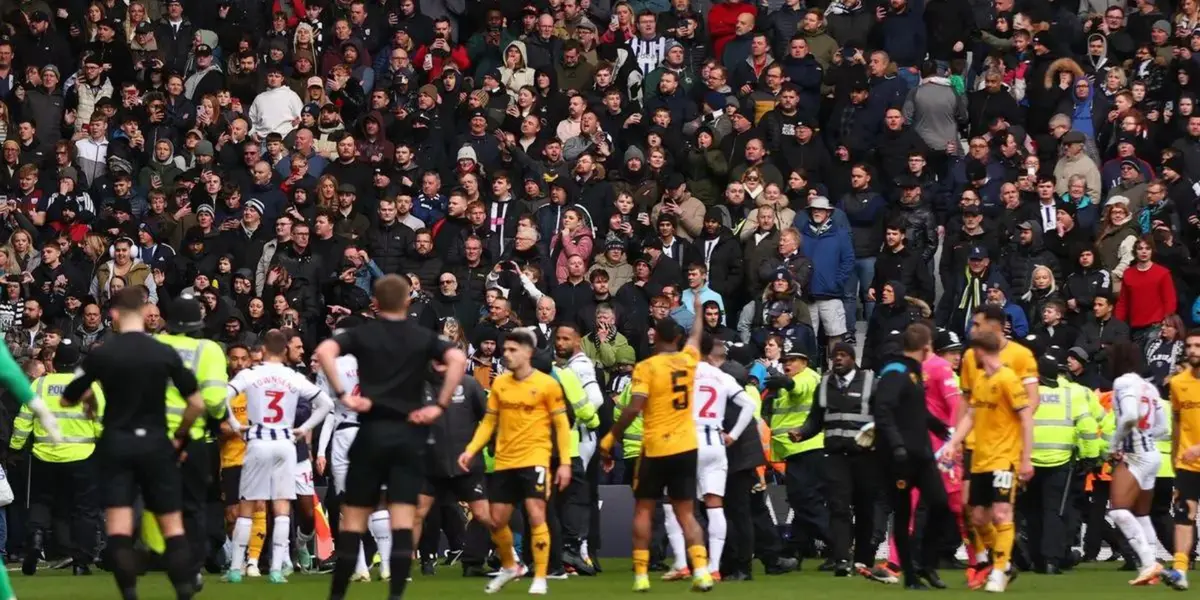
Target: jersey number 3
point(681, 389)
point(275, 411)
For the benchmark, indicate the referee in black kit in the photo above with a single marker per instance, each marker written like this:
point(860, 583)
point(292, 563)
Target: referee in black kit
point(903, 425)
point(134, 451)
point(393, 359)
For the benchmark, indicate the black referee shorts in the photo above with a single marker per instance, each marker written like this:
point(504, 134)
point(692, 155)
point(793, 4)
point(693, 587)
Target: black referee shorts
point(390, 453)
point(130, 463)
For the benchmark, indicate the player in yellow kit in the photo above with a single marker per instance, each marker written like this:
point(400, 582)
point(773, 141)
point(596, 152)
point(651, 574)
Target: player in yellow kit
point(661, 392)
point(989, 319)
point(1002, 419)
point(524, 407)
point(1185, 448)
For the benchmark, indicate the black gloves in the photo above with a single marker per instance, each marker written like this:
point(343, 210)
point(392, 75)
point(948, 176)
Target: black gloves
point(779, 382)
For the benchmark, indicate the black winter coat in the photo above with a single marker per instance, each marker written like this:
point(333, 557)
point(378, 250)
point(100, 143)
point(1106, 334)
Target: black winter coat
point(389, 244)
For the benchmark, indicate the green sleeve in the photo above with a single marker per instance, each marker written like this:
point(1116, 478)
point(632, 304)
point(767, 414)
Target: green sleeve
point(213, 378)
point(606, 353)
point(13, 378)
point(576, 397)
point(1086, 432)
point(806, 383)
point(752, 393)
point(22, 427)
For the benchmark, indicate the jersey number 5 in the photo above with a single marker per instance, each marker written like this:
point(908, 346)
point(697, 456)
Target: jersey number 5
point(275, 413)
point(681, 389)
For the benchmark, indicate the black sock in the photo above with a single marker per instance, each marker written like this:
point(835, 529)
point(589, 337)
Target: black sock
point(304, 523)
point(180, 568)
point(346, 551)
point(123, 561)
point(400, 561)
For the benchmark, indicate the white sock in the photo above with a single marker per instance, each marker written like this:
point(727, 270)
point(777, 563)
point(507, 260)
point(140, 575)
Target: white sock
point(241, 539)
point(675, 536)
point(716, 538)
point(360, 566)
point(381, 529)
point(1149, 535)
point(280, 548)
point(1127, 523)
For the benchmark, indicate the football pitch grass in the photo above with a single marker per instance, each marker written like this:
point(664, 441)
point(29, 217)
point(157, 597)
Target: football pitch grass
point(1093, 582)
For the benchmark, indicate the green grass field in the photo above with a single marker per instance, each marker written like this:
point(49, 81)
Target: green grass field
point(1094, 582)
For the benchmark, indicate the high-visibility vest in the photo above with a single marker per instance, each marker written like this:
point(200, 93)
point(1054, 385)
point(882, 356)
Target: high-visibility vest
point(1062, 425)
point(631, 439)
point(789, 410)
point(1167, 467)
point(207, 361)
point(577, 401)
point(79, 432)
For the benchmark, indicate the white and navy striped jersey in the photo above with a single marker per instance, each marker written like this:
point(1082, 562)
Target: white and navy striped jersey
point(649, 53)
point(273, 392)
point(347, 368)
point(1139, 413)
point(714, 390)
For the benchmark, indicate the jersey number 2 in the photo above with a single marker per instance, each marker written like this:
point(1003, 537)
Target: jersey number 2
point(1146, 411)
point(683, 392)
point(706, 409)
point(275, 413)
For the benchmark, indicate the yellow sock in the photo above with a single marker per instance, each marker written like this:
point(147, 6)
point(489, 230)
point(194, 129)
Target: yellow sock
point(641, 562)
point(699, 556)
point(541, 550)
point(1181, 562)
point(1002, 551)
point(258, 534)
point(503, 539)
point(985, 538)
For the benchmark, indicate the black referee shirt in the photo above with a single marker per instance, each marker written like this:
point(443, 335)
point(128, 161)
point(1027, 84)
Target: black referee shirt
point(134, 369)
point(393, 359)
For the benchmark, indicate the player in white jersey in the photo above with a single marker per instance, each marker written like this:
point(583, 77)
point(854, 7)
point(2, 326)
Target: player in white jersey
point(713, 391)
point(341, 427)
point(1140, 422)
point(568, 349)
point(272, 392)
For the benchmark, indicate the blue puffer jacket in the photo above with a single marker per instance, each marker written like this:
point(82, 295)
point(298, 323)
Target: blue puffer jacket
point(832, 255)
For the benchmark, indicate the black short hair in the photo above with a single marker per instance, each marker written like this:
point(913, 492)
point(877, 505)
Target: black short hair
point(992, 312)
point(707, 342)
point(572, 325)
point(667, 330)
point(1107, 296)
